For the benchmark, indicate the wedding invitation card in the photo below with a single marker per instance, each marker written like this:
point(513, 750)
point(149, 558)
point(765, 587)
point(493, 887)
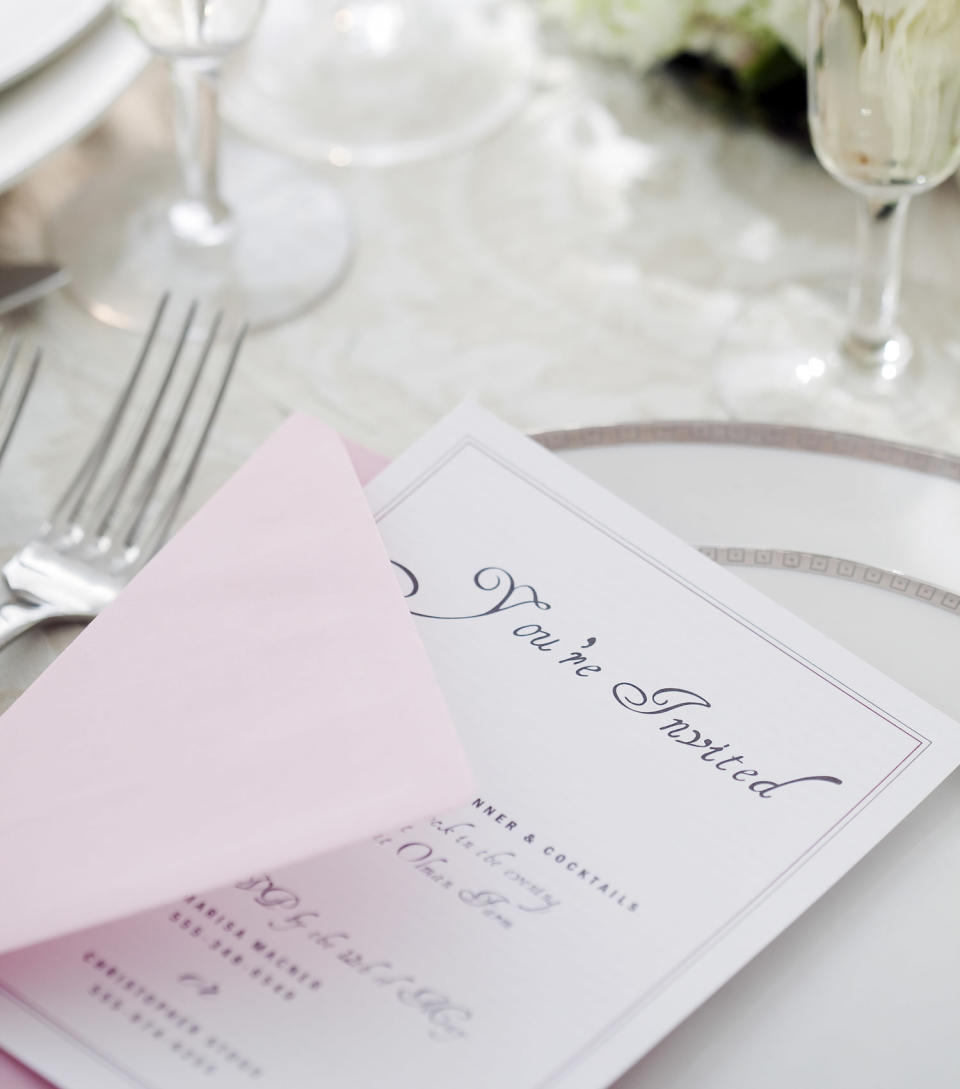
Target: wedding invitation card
point(670, 769)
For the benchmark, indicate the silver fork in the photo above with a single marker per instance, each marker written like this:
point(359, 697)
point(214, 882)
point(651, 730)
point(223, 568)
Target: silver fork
point(109, 523)
point(14, 391)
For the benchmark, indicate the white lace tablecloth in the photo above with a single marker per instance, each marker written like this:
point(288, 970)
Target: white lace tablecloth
point(577, 268)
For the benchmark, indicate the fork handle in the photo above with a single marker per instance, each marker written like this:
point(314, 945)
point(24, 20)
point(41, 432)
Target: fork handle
point(18, 616)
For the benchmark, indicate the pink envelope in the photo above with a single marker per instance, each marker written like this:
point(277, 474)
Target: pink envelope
point(257, 695)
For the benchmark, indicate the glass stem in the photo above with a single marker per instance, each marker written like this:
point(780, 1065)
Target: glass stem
point(200, 216)
point(874, 341)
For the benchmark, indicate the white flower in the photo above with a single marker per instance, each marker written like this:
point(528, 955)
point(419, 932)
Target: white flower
point(787, 21)
point(640, 31)
point(647, 31)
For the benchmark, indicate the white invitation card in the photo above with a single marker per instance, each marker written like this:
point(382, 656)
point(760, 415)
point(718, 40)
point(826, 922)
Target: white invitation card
point(671, 768)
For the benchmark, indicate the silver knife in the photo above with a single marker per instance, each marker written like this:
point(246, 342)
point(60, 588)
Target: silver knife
point(23, 284)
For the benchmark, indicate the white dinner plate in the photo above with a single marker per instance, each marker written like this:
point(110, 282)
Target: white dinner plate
point(34, 32)
point(863, 991)
point(61, 100)
point(787, 506)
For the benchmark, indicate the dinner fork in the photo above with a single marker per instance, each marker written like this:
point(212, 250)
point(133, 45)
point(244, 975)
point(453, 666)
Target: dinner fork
point(14, 391)
point(116, 513)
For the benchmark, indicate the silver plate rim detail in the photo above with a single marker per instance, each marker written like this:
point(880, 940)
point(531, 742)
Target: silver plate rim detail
point(747, 433)
point(785, 437)
point(817, 563)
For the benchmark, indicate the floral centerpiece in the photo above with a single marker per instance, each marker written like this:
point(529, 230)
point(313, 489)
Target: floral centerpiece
point(743, 54)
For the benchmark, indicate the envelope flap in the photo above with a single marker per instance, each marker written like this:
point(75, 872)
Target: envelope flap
point(257, 694)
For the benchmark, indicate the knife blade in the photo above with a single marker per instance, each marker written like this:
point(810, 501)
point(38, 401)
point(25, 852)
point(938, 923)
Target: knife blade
point(23, 284)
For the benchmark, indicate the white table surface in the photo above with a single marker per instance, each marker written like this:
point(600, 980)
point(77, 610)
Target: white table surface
point(575, 269)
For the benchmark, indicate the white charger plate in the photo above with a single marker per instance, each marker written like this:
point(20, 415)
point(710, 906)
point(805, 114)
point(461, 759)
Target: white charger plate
point(864, 989)
point(34, 32)
point(61, 100)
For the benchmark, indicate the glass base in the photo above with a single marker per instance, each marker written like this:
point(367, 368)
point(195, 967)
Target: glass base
point(779, 361)
point(379, 82)
point(289, 244)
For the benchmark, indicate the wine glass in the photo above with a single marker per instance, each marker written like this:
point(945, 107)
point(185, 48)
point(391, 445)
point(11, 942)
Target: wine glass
point(884, 110)
point(379, 82)
point(267, 245)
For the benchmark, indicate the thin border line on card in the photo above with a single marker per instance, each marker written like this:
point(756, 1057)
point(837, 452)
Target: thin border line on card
point(923, 743)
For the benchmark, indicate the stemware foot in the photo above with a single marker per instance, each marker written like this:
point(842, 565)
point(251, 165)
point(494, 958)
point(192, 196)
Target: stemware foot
point(288, 245)
point(782, 360)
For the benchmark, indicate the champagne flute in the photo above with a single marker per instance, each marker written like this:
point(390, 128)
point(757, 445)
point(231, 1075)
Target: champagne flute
point(884, 110)
point(266, 245)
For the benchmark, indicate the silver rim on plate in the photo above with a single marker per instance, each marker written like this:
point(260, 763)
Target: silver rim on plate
point(786, 437)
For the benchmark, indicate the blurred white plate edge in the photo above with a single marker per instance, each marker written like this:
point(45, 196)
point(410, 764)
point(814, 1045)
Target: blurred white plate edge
point(40, 31)
point(60, 101)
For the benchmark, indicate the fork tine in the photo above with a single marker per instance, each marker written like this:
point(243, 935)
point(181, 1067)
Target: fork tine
point(74, 498)
point(110, 500)
point(12, 352)
point(149, 487)
point(25, 387)
point(157, 534)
